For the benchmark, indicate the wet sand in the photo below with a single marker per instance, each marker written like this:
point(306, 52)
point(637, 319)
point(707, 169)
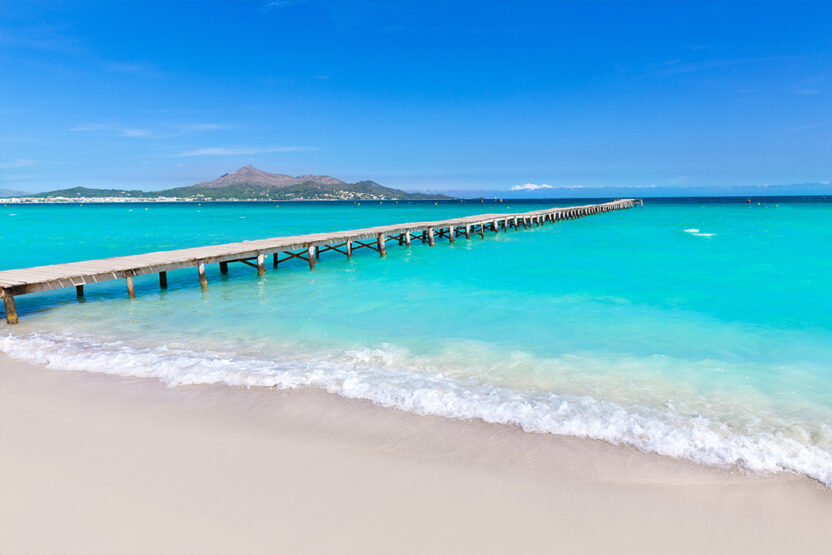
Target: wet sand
point(92, 463)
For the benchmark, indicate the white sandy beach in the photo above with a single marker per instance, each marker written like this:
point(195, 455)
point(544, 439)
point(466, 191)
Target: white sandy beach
point(100, 464)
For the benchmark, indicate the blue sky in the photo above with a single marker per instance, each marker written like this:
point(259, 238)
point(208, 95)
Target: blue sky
point(486, 95)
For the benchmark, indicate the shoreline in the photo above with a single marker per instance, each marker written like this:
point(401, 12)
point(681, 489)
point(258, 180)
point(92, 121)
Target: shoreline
point(116, 464)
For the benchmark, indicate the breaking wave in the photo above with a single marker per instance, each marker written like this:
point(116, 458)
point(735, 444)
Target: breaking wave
point(387, 377)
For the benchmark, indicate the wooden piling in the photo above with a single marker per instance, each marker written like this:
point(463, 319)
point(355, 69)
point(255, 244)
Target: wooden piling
point(79, 291)
point(310, 253)
point(451, 233)
point(407, 238)
point(467, 231)
point(203, 281)
point(261, 264)
point(349, 248)
point(163, 280)
point(223, 267)
point(382, 251)
point(11, 310)
point(431, 241)
point(131, 291)
point(275, 260)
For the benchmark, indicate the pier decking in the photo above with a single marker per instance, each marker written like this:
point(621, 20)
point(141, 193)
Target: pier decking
point(305, 247)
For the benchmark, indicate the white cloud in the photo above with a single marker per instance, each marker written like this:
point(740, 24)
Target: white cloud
point(277, 4)
point(112, 129)
point(132, 132)
point(243, 151)
point(162, 130)
point(530, 187)
point(92, 127)
point(797, 129)
point(16, 163)
point(133, 68)
point(192, 127)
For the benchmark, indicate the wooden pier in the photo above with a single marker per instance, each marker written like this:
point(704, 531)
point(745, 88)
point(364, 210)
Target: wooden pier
point(254, 253)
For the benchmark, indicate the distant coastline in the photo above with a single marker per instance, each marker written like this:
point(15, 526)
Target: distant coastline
point(246, 184)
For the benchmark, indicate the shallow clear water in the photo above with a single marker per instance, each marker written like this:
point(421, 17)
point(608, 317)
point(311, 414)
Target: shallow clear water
point(699, 329)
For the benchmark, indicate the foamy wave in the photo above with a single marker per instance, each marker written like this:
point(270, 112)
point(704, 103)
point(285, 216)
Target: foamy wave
point(698, 233)
point(380, 375)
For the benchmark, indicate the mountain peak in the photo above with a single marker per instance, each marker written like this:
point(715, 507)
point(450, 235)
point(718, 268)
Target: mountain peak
point(249, 170)
point(255, 178)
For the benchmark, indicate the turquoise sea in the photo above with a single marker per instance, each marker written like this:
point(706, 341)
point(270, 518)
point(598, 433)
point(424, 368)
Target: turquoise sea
point(694, 328)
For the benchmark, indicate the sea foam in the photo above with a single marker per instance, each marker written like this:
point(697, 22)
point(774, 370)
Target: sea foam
point(381, 376)
point(697, 232)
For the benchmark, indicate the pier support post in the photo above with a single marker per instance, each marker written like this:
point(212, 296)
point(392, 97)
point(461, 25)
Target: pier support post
point(261, 264)
point(163, 280)
point(274, 260)
point(451, 232)
point(203, 281)
point(349, 248)
point(79, 291)
point(494, 225)
point(407, 238)
point(11, 310)
point(223, 267)
point(382, 251)
point(317, 253)
point(310, 253)
point(468, 231)
point(431, 242)
point(131, 291)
